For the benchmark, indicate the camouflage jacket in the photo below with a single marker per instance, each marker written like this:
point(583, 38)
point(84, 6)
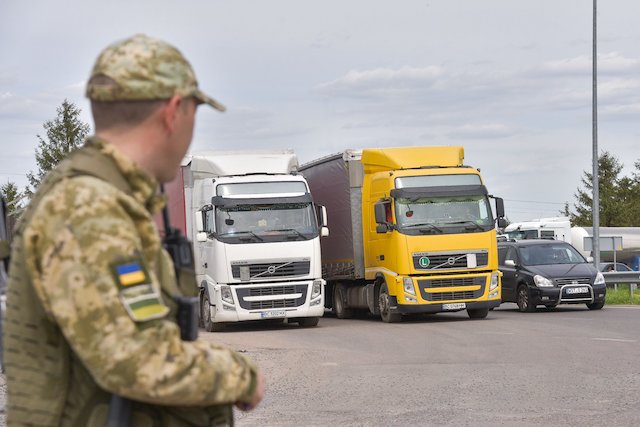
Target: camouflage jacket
point(103, 283)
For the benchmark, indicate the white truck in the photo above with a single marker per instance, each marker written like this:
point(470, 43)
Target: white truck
point(256, 236)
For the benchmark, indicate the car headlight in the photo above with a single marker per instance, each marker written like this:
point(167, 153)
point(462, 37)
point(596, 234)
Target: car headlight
point(494, 281)
point(542, 282)
point(407, 283)
point(226, 294)
point(316, 289)
point(599, 279)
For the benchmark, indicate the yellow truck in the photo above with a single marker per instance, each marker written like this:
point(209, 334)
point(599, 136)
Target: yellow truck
point(412, 231)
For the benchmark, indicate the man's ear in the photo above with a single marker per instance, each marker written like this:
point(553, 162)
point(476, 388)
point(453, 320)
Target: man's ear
point(170, 113)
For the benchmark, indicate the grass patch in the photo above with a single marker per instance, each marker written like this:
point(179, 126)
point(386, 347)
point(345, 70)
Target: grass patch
point(622, 295)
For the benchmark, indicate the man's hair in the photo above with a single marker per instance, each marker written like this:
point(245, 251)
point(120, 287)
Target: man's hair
point(112, 114)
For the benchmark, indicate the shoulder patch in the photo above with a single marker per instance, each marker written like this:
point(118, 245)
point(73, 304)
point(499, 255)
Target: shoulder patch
point(138, 296)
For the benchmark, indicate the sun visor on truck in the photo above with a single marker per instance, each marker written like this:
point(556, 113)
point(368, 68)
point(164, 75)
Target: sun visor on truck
point(441, 191)
point(228, 202)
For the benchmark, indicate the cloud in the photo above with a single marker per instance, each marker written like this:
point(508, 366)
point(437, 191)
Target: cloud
point(608, 63)
point(482, 131)
point(382, 82)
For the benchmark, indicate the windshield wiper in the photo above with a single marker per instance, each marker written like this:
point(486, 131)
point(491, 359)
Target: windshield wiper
point(288, 229)
point(243, 232)
point(423, 224)
point(479, 227)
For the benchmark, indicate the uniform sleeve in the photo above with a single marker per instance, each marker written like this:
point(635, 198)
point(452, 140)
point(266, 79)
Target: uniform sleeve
point(80, 231)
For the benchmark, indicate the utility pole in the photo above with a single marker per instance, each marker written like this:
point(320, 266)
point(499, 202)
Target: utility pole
point(595, 181)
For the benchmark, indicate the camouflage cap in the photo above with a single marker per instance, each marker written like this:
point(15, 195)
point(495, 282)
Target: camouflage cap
point(144, 68)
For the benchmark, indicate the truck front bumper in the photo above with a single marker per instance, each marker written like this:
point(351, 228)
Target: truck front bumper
point(443, 308)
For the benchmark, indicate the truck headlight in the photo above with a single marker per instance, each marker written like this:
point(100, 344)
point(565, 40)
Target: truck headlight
point(407, 283)
point(599, 279)
point(494, 281)
point(542, 282)
point(316, 288)
point(226, 294)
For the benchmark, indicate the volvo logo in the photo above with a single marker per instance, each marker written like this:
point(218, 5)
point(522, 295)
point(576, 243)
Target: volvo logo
point(271, 269)
point(451, 260)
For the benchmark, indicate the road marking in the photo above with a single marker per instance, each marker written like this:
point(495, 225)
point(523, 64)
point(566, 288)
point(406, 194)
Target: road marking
point(633, 307)
point(497, 333)
point(612, 339)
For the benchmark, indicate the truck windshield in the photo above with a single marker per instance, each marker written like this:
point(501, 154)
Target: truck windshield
point(522, 234)
point(257, 223)
point(443, 215)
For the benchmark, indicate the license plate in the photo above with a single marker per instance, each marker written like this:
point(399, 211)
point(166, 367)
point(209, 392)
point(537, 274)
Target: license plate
point(580, 290)
point(271, 314)
point(454, 306)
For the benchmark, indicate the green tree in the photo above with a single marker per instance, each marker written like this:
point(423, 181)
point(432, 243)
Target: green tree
point(629, 196)
point(64, 134)
point(13, 197)
point(617, 195)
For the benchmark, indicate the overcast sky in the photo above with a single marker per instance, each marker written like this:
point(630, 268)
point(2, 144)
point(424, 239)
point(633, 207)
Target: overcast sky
point(509, 80)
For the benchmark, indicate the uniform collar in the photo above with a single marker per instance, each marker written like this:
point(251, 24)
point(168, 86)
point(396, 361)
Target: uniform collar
point(143, 185)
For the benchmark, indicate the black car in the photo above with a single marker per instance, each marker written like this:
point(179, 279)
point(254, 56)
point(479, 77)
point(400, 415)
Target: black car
point(548, 272)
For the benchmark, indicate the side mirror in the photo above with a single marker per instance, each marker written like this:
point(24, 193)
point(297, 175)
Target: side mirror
point(589, 259)
point(199, 221)
point(324, 219)
point(201, 237)
point(509, 263)
point(499, 207)
point(502, 223)
point(324, 232)
point(380, 214)
point(382, 228)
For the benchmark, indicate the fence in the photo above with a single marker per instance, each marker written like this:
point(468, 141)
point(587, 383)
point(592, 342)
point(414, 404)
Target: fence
point(613, 278)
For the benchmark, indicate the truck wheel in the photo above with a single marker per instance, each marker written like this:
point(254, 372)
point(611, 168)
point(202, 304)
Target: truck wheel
point(384, 304)
point(596, 305)
point(339, 306)
point(524, 300)
point(478, 313)
point(308, 322)
point(207, 321)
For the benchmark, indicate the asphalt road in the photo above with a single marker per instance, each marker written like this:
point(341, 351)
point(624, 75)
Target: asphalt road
point(566, 367)
point(569, 366)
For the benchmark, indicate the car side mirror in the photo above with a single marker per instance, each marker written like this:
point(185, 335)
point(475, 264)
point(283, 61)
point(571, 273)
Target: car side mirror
point(509, 263)
point(201, 237)
point(589, 259)
point(324, 232)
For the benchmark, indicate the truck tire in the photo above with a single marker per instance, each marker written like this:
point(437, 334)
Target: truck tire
point(207, 321)
point(478, 313)
point(339, 302)
point(384, 304)
point(308, 322)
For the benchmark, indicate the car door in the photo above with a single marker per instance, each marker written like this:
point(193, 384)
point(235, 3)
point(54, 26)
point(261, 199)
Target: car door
point(509, 274)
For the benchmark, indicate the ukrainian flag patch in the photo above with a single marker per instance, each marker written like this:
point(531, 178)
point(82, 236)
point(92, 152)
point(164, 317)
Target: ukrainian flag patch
point(139, 297)
point(131, 273)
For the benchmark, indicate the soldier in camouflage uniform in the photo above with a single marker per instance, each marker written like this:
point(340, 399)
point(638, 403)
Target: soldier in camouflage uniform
point(90, 310)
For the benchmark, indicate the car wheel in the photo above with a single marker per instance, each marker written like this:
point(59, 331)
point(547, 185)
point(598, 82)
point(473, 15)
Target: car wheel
point(524, 300)
point(339, 306)
point(479, 313)
point(596, 305)
point(308, 322)
point(384, 304)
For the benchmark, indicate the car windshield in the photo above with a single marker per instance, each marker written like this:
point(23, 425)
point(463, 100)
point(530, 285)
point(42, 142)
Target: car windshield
point(550, 254)
point(450, 214)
